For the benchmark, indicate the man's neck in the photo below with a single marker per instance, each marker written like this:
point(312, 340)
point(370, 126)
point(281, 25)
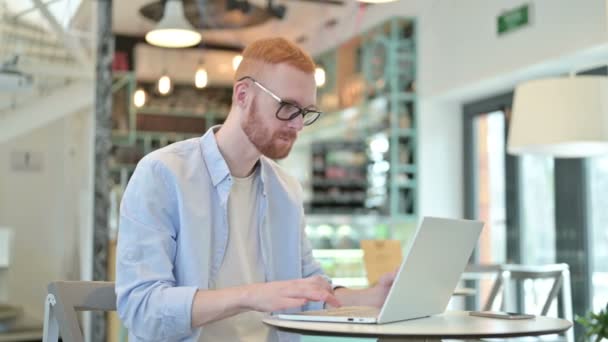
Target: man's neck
point(238, 152)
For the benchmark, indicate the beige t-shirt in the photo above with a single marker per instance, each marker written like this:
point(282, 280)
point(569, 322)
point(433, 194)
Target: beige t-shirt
point(242, 264)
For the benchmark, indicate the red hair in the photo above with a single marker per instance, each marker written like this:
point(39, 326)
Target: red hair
point(273, 51)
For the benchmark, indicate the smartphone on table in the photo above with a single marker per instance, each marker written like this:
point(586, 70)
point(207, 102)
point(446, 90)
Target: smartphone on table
point(501, 315)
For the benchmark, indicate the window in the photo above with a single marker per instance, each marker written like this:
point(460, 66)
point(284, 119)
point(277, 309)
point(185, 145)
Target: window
point(537, 209)
point(491, 201)
point(598, 182)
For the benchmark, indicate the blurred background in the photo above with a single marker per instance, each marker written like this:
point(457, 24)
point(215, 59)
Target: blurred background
point(418, 99)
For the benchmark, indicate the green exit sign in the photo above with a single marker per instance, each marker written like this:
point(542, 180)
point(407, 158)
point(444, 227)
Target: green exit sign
point(513, 19)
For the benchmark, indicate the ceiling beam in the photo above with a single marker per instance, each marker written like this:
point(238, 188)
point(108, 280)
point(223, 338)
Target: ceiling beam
point(44, 110)
point(72, 45)
point(31, 9)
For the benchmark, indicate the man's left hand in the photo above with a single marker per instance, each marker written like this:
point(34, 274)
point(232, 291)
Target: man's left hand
point(380, 291)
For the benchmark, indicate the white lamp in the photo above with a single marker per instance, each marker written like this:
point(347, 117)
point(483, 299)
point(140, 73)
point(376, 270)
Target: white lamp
point(560, 117)
point(164, 84)
point(173, 30)
point(200, 76)
point(139, 98)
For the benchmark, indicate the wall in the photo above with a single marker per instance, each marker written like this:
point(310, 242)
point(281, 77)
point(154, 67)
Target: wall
point(440, 158)
point(44, 208)
point(458, 44)
point(462, 59)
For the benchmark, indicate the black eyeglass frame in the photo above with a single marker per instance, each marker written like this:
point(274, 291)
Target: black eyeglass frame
point(316, 113)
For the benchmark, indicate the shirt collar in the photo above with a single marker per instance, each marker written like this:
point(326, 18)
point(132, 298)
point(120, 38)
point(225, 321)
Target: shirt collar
point(216, 164)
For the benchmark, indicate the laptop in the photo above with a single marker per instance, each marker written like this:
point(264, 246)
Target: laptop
point(435, 258)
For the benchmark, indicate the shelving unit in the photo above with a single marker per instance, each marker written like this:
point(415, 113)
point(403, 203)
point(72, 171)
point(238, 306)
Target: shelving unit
point(339, 181)
point(390, 69)
point(387, 128)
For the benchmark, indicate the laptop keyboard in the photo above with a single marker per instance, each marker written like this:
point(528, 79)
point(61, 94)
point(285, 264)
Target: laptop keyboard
point(345, 311)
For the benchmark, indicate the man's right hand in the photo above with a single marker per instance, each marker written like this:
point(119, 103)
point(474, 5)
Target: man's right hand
point(212, 305)
point(279, 295)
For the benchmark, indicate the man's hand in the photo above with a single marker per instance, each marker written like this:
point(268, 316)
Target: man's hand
point(380, 291)
point(213, 305)
point(373, 296)
point(279, 295)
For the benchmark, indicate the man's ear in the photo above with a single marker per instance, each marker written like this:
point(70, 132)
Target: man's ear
point(240, 94)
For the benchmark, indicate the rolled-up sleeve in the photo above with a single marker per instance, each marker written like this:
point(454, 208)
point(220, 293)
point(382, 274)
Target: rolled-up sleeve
point(148, 302)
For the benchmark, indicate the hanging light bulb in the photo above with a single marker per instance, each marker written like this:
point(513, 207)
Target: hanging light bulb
point(139, 98)
point(319, 77)
point(164, 84)
point(173, 30)
point(200, 77)
point(236, 61)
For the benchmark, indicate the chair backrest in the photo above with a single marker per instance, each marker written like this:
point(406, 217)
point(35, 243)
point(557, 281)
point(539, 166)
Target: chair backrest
point(485, 272)
point(559, 274)
point(65, 298)
point(505, 275)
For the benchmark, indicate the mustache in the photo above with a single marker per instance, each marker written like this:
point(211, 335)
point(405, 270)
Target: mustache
point(291, 135)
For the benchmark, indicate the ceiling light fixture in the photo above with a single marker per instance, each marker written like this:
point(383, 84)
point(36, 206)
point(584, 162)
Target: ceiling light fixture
point(563, 117)
point(200, 77)
point(278, 11)
point(164, 84)
point(139, 98)
point(173, 30)
point(242, 5)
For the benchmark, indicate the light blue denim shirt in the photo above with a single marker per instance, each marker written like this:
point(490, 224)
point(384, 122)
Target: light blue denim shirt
point(174, 232)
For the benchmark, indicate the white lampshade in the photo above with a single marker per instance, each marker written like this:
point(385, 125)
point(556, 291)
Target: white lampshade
point(560, 117)
point(173, 30)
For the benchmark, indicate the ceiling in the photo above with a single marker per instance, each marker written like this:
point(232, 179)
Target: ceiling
point(62, 10)
point(302, 19)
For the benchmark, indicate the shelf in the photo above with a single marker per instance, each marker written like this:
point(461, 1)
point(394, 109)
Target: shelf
point(155, 134)
point(181, 112)
point(404, 132)
point(406, 185)
point(406, 96)
point(337, 200)
point(339, 182)
point(338, 253)
point(363, 220)
point(407, 168)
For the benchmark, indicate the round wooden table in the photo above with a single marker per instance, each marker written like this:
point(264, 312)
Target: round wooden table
point(449, 325)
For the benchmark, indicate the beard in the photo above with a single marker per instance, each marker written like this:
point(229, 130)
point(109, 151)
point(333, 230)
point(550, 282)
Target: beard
point(274, 145)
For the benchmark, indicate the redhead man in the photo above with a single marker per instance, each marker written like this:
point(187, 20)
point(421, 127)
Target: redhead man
point(211, 229)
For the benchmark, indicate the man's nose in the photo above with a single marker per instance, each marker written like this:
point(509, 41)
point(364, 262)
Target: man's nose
point(296, 123)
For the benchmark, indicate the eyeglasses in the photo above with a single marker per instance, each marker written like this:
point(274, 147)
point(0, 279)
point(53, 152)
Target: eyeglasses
point(288, 111)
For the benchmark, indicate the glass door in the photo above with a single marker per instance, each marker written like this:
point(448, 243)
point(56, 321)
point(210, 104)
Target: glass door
point(490, 200)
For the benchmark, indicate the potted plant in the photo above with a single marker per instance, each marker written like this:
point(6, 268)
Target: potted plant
point(595, 324)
